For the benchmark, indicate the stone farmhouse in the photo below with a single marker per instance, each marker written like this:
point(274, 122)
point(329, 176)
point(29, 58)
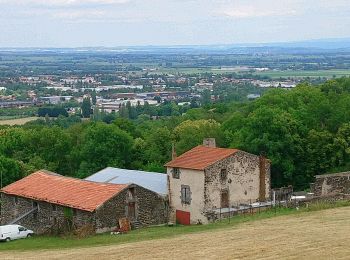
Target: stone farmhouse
point(331, 184)
point(208, 178)
point(44, 200)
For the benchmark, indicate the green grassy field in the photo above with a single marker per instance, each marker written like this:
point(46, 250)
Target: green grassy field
point(46, 242)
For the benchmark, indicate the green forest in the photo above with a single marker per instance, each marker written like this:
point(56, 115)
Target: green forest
point(304, 132)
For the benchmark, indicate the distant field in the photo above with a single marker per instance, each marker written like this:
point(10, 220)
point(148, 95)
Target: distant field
point(304, 73)
point(272, 74)
point(313, 235)
point(16, 121)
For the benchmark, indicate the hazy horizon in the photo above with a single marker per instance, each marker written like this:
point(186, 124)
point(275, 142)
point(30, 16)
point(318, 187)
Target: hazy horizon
point(114, 23)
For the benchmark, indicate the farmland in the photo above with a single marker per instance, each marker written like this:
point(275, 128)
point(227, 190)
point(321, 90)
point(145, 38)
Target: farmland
point(305, 73)
point(16, 121)
point(312, 235)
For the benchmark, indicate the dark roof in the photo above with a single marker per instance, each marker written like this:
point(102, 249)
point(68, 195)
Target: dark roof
point(70, 192)
point(201, 157)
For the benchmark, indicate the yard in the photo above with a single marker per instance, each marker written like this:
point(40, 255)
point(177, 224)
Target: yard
point(291, 234)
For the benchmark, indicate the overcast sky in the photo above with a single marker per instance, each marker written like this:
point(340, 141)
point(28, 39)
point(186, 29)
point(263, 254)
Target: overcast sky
point(74, 23)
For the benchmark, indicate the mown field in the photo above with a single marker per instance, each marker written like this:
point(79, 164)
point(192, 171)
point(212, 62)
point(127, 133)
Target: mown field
point(16, 121)
point(293, 235)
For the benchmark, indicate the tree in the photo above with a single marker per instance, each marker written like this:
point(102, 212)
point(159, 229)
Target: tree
point(10, 171)
point(86, 108)
point(103, 145)
point(189, 134)
point(93, 97)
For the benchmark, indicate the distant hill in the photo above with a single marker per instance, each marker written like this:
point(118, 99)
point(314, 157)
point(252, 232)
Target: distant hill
point(309, 46)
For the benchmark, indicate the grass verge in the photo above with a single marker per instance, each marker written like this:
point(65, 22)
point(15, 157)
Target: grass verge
point(45, 242)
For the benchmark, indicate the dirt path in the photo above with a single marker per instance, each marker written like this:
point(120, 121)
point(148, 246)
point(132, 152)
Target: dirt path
point(319, 235)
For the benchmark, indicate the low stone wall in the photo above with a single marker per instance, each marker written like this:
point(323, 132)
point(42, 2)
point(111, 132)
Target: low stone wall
point(331, 184)
point(330, 198)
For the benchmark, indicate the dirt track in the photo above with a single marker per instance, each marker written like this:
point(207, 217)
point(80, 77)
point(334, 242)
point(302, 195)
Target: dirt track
point(320, 235)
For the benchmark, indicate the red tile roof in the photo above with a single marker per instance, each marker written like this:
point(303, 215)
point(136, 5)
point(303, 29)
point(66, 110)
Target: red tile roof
point(65, 191)
point(200, 157)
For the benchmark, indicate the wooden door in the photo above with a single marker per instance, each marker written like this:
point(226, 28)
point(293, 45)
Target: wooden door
point(131, 211)
point(183, 217)
point(224, 199)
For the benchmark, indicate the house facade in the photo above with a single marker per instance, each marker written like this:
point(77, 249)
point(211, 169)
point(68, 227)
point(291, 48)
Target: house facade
point(208, 178)
point(45, 201)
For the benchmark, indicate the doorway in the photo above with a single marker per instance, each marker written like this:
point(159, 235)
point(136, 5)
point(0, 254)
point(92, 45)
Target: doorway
point(131, 211)
point(224, 199)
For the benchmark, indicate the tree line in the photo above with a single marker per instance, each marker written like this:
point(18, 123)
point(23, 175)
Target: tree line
point(304, 132)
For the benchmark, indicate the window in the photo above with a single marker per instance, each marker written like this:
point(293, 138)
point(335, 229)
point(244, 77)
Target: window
point(131, 193)
point(54, 207)
point(20, 228)
point(185, 194)
point(223, 174)
point(176, 173)
point(15, 200)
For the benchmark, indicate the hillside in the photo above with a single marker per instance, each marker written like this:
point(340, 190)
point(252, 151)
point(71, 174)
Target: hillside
point(314, 235)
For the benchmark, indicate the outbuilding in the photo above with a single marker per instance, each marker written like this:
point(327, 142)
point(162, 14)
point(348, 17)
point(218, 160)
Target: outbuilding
point(45, 200)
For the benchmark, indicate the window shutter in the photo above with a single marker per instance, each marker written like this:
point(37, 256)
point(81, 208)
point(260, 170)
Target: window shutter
point(183, 196)
point(189, 193)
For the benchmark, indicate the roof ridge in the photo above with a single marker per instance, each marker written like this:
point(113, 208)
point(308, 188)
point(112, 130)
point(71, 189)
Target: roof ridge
point(72, 178)
point(200, 157)
point(62, 190)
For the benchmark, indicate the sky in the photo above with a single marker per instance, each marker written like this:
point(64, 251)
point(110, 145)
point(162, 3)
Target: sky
point(111, 23)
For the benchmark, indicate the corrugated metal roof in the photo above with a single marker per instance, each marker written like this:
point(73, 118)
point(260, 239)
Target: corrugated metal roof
point(200, 157)
point(153, 181)
point(66, 191)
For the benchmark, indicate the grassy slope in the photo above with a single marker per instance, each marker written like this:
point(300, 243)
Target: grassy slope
point(44, 242)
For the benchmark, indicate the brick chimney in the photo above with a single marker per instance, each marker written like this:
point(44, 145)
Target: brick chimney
point(209, 142)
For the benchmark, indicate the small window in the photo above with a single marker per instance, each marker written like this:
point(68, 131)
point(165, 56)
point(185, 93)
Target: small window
point(131, 193)
point(15, 200)
point(74, 212)
point(176, 173)
point(54, 207)
point(185, 194)
point(21, 229)
point(223, 174)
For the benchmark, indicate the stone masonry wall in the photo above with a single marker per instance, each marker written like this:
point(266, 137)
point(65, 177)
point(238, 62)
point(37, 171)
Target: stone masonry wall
point(44, 219)
point(332, 184)
point(150, 209)
point(242, 182)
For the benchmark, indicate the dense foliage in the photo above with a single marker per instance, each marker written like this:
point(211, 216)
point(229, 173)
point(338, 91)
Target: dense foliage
point(304, 132)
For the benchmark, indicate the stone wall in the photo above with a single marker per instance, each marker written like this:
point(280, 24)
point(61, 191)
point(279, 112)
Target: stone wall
point(150, 209)
point(42, 221)
point(242, 182)
point(331, 184)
